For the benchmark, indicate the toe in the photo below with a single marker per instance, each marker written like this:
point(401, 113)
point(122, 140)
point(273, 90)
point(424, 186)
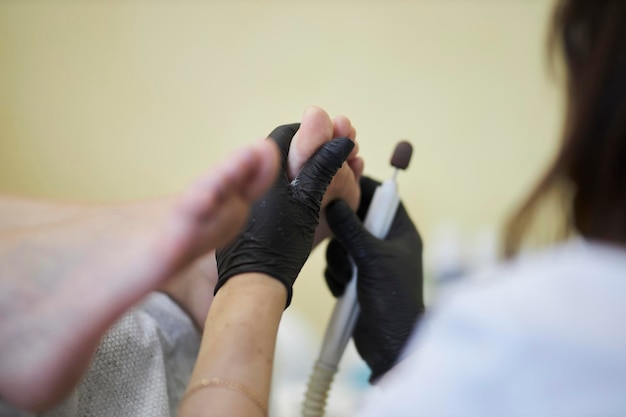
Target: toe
point(263, 172)
point(315, 130)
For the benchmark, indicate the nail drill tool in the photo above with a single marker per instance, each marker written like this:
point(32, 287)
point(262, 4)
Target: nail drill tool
point(378, 220)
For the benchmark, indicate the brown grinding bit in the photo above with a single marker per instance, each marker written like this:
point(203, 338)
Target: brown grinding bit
point(402, 155)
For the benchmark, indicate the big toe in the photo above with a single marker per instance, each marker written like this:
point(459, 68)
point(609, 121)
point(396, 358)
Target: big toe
point(315, 130)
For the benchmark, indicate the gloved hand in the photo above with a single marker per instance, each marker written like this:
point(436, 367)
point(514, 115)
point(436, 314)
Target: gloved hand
point(389, 286)
point(279, 234)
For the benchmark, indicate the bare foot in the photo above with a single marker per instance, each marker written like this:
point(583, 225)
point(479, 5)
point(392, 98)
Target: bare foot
point(62, 286)
point(193, 288)
point(316, 129)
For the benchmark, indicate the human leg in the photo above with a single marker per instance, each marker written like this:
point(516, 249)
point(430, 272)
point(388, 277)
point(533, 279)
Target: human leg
point(63, 284)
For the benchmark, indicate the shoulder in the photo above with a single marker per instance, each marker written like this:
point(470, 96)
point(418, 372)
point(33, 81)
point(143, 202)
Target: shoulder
point(577, 281)
point(539, 337)
point(567, 297)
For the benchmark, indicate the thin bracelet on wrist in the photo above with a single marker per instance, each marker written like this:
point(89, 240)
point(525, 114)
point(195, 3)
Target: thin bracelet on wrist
point(216, 382)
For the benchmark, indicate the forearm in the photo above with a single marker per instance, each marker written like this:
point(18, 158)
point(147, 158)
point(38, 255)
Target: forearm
point(237, 346)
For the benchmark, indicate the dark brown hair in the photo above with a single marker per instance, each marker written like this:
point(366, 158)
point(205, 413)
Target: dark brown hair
point(588, 175)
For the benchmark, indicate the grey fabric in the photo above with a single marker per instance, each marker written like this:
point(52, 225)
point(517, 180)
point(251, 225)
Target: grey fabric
point(141, 367)
point(7, 411)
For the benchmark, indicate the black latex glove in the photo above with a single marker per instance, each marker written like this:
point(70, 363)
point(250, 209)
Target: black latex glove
point(389, 286)
point(279, 234)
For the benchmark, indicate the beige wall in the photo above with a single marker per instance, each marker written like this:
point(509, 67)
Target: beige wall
point(127, 99)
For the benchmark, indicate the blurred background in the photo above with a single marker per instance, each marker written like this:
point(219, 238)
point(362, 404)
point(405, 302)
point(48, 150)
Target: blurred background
point(118, 100)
